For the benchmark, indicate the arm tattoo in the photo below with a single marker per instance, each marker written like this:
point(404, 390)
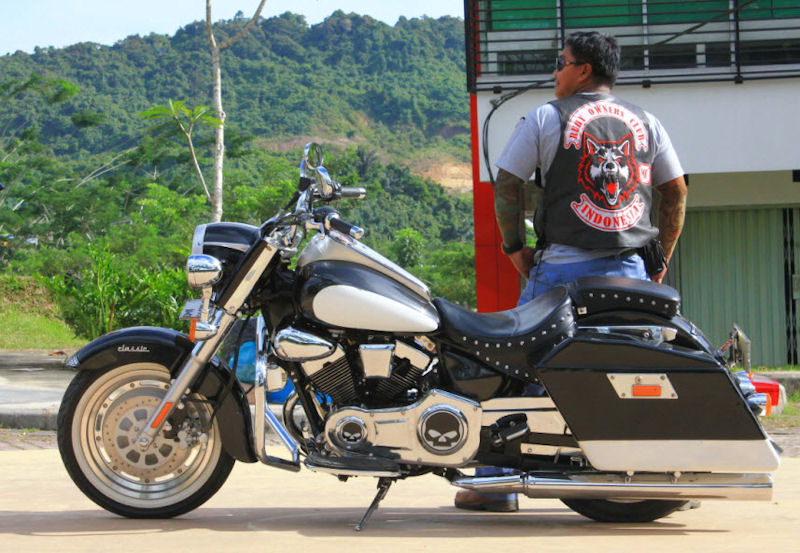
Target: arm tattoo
point(508, 208)
point(671, 213)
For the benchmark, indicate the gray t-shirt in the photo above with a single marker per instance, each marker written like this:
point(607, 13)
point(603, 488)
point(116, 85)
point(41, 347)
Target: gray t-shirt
point(534, 143)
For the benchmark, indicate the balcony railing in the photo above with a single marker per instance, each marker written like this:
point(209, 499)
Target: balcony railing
point(512, 43)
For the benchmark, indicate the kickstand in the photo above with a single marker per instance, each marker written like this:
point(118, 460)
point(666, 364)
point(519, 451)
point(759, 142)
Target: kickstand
point(383, 488)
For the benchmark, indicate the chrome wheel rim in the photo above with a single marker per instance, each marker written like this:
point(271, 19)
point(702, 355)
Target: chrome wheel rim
point(107, 421)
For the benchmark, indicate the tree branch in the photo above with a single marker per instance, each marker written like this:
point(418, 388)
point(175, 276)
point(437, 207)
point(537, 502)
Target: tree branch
point(229, 41)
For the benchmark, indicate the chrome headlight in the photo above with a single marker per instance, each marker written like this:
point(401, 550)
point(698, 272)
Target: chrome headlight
point(203, 270)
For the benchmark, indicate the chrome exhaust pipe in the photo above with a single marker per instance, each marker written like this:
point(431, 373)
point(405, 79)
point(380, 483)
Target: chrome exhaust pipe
point(617, 486)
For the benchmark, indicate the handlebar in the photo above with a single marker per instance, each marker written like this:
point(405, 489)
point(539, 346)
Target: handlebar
point(352, 192)
point(330, 218)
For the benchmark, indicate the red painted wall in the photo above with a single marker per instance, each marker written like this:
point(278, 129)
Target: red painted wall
point(496, 280)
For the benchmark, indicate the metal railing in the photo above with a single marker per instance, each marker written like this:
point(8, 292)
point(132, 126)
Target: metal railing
point(511, 43)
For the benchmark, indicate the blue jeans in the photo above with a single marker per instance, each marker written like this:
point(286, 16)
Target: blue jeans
point(545, 276)
point(549, 275)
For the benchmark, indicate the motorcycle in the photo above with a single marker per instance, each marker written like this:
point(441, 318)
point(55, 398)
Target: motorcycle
point(600, 393)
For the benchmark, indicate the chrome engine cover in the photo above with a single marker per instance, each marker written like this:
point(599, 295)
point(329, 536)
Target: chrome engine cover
point(441, 429)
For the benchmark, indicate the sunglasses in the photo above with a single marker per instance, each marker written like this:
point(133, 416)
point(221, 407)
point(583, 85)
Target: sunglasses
point(561, 63)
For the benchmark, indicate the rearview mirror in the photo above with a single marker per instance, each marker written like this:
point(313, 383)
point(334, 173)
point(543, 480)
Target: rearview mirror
point(312, 156)
point(312, 168)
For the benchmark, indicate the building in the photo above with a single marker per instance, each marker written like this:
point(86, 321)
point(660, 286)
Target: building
point(724, 78)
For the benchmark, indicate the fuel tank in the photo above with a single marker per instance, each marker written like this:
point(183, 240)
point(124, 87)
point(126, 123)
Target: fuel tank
point(336, 246)
point(345, 294)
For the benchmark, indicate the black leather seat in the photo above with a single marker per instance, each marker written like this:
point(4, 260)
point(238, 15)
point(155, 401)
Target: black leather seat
point(510, 341)
point(598, 294)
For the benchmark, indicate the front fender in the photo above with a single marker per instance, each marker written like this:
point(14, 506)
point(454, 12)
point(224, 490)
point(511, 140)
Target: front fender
point(171, 348)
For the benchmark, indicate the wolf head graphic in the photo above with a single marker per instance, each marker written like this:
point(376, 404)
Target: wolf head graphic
point(607, 169)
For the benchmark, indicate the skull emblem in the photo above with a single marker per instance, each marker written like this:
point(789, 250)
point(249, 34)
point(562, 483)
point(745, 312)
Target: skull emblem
point(442, 430)
point(351, 431)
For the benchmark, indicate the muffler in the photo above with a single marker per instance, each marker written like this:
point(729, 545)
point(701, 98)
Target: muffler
point(616, 486)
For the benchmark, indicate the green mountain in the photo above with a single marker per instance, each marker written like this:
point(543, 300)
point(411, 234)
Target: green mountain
point(100, 202)
point(349, 79)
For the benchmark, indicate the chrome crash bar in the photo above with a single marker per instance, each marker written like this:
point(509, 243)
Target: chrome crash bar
point(264, 417)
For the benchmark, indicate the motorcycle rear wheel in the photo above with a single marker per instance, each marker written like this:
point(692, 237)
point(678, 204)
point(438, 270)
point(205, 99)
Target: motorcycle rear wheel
point(604, 510)
point(98, 421)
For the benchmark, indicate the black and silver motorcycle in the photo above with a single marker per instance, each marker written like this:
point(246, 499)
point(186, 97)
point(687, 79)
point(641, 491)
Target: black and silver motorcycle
point(598, 393)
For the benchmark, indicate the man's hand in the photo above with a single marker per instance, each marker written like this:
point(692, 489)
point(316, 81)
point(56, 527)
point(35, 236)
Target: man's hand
point(671, 214)
point(523, 260)
point(659, 276)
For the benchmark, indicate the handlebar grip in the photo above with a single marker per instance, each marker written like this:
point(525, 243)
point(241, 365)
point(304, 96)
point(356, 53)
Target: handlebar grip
point(353, 192)
point(345, 228)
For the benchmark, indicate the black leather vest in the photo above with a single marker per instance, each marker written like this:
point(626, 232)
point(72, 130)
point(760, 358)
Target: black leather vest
point(598, 192)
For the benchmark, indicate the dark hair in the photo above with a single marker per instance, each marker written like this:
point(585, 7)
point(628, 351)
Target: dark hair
point(600, 51)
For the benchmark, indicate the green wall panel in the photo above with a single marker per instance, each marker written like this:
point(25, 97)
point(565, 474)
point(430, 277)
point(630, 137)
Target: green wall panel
point(730, 269)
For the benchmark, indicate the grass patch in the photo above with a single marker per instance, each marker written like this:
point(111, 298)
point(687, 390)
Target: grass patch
point(29, 319)
point(776, 369)
point(24, 330)
point(790, 418)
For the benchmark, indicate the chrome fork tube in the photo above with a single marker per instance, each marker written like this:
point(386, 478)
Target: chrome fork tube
point(264, 416)
point(258, 258)
point(200, 356)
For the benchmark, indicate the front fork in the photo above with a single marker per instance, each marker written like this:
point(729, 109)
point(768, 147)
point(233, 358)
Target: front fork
point(201, 354)
point(256, 262)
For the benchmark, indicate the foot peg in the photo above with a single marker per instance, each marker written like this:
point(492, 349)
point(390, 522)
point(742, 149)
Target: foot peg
point(509, 428)
point(352, 465)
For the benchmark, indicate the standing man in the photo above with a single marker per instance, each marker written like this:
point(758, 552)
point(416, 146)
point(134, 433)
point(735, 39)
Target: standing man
point(600, 158)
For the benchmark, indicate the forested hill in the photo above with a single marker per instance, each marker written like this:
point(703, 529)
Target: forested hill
point(349, 79)
point(100, 202)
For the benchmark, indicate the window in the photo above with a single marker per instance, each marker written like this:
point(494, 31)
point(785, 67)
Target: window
point(770, 9)
point(510, 15)
point(529, 62)
point(693, 11)
point(602, 13)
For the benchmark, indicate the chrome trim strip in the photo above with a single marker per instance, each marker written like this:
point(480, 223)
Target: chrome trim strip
point(682, 455)
point(230, 245)
point(197, 239)
point(348, 472)
point(655, 334)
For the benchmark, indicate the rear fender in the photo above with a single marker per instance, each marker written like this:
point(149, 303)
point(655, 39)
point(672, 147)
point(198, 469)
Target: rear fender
point(171, 348)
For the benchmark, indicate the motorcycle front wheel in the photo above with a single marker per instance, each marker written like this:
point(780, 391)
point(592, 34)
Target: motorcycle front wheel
point(606, 510)
point(99, 420)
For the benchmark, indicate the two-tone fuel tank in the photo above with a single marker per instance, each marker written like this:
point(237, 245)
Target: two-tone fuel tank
point(348, 285)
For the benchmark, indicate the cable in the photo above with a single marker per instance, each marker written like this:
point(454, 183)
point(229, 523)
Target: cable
point(496, 103)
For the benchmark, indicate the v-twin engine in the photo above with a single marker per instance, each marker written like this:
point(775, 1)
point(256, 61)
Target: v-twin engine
point(438, 428)
point(382, 374)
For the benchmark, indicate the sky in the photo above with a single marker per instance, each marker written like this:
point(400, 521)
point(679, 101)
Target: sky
point(25, 24)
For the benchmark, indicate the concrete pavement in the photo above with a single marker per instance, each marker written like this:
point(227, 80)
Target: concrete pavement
point(32, 383)
point(263, 508)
